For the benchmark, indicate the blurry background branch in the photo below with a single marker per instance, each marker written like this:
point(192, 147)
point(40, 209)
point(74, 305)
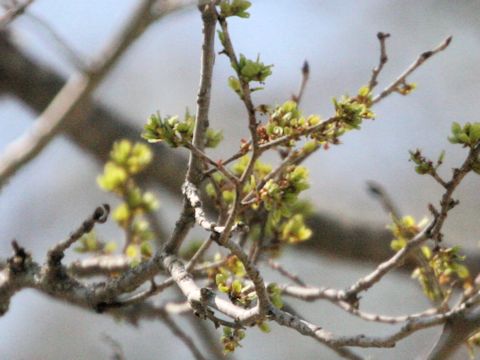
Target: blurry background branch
point(94, 128)
point(79, 86)
point(13, 10)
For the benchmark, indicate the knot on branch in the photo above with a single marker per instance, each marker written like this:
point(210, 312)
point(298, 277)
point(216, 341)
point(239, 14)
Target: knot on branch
point(103, 306)
point(351, 298)
point(17, 263)
point(100, 215)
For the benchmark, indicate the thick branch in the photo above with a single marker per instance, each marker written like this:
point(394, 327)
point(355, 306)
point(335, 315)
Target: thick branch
point(194, 170)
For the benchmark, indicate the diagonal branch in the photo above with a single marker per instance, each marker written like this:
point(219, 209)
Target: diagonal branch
point(77, 89)
point(394, 86)
point(12, 12)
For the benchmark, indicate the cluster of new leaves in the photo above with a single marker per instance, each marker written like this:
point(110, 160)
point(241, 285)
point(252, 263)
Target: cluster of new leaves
point(403, 230)
point(423, 165)
point(351, 111)
point(231, 339)
point(468, 135)
point(175, 132)
point(286, 120)
point(443, 268)
point(126, 161)
point(274, 210)
point(249, 70)
point(230, 279)
point(234, 8)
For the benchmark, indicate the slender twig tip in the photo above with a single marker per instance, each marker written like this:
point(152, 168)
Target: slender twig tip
point(305, 68)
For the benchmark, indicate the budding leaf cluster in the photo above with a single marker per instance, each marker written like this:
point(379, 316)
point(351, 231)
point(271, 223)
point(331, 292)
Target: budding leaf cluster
point(230, 279)
point(444, 265)
point(403, 230)
point(175, 132)
point(423, 165)
point(467, 135)
point(251, 70)
point(234, 8)
point(406, 88)
point(231, 339)
point(90, 243)
point(274, 293)
point(351, 111)
point(126, 161)
point(286, 120)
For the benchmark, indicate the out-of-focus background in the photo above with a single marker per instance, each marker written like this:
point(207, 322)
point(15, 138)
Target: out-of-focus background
point(50, 196)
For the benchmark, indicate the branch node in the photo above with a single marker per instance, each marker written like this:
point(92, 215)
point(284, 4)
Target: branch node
point(16, 263)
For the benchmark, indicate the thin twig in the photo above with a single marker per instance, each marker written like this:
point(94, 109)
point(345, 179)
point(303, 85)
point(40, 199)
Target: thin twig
point(209, 338)
point(100, 216)
point(382, 38)
point(432, 231)
point(295, 278)
point(403, 77)
point(379, 192)
point(198, 255)
point(216, 165)
point(117, 350)
point(178, 332)
point(252, 126)
point(305, 75)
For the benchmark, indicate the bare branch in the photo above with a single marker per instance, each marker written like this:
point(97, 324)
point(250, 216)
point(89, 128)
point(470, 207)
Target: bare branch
point(295, 278)
point(56, 254)
point(375, 276)
point(117, 350)
point(305, 75)
point(100, 265)
point(77, 90)
point(178, 332)
point(382, 38)
point(216, 165)
point(394, 86)
point(13, 12)
point(193, 200)
point(194, 170)
point(379, 192)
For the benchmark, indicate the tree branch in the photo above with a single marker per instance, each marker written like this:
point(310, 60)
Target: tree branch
point(94, 128)
point(12, 12)
point(78, 88)
point(394, 86)
point(194, 170)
